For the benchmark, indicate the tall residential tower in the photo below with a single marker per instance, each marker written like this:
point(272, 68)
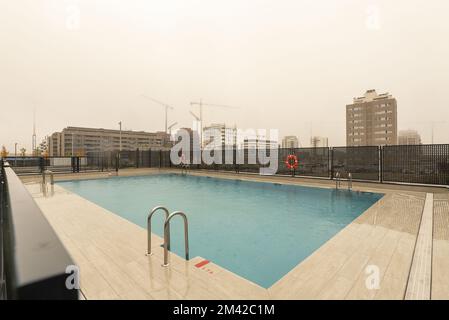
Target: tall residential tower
point(371, 120)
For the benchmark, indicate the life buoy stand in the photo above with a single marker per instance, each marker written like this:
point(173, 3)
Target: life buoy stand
point(292, 162)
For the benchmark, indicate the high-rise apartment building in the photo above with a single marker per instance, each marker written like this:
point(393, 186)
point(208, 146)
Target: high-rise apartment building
point(371, 120)
point(259, 143)
point(290, 142)
point(219, 136)
point(73, 141)
point(409, 137)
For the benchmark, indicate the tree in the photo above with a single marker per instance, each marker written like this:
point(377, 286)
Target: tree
point(81, 153)
point(23, 152)
point(43, 148)
point(4, 153)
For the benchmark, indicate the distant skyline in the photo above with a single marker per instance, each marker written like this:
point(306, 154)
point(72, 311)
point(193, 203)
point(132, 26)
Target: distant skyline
point(291, 65)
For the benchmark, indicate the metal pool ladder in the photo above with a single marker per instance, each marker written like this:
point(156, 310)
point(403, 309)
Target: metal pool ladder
point(44, 182)
point(349, 181)
point(166, 244)
point(167, 235)
point(150, 216)
point(337, 180)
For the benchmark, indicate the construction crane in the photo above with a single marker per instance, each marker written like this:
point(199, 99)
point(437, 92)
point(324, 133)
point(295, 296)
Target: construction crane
point(171, 126)
point(166, 106)
point(201, 104)
point(34, 137)
point(195, 116)
point(432, 124)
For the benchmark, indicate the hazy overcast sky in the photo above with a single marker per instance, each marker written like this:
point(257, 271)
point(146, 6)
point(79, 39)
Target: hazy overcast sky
point(290, 65)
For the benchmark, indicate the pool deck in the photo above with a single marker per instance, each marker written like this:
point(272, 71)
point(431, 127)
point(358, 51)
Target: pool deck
point(397, 249)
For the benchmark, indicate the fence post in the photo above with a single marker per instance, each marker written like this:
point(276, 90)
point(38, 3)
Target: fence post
point(160, 158)
point(381, 164)
point(137, 157)
point(169, 159)
point(234, 160)
point(41, 164)
point(331, 162)
point(149, 159)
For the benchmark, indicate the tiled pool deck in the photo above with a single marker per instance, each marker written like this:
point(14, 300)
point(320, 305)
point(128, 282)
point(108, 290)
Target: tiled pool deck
point(110, 250)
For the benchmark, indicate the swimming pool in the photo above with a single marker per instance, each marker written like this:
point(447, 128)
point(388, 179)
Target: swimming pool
point(260, 231)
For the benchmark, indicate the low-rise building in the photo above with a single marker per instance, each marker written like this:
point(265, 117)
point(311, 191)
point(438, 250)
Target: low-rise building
point(319, 142)
point(290, 142)
point(409, 137)
point(78, 141)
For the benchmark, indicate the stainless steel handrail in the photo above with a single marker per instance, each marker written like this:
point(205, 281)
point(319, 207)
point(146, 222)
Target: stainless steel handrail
point(52, 181)
point(349, 180)
point(167, 236)
point(150, 216)
point(184, 168)
point(44, 182)
point(337, 180)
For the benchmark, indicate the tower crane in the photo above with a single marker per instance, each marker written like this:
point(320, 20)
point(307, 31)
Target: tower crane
point(432, 127)
point(200, 118)
point(171, 127)
point(166, 106)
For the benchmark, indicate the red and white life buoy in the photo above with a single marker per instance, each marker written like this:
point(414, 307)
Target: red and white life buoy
point(292, 162)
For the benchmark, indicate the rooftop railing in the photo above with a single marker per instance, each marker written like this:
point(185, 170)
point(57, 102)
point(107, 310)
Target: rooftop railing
point(33, 262)
point(408, 164)
point(404, 164)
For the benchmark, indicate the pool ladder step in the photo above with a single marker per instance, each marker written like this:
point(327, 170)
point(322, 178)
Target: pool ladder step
point(166, 244)
point(338, 180)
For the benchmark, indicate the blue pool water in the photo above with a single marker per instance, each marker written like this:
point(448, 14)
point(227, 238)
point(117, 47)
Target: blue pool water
point(259, 231)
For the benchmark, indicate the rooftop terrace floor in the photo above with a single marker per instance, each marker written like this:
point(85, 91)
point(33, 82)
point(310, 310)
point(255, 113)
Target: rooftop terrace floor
point(404, 236)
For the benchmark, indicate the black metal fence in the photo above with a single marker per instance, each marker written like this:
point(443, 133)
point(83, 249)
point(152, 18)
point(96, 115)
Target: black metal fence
point(314, 162)
point(37, 165)
point(426, 164)
point(422, 164)
point(362, 162)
